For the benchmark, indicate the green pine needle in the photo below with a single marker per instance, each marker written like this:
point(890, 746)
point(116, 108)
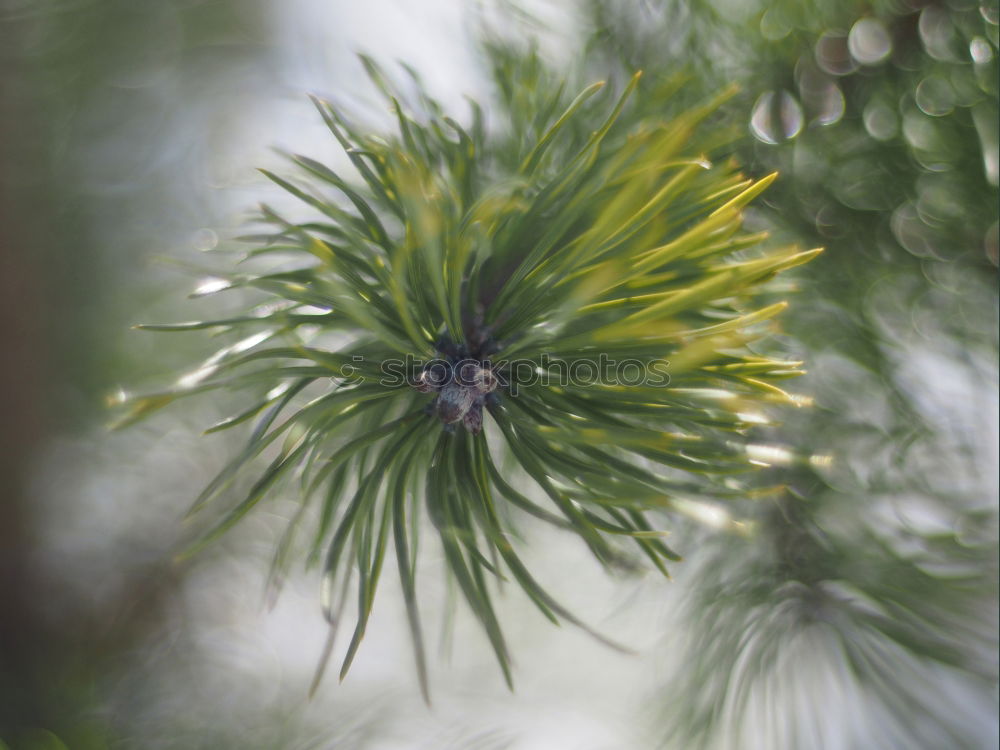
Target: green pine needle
point(550, 241)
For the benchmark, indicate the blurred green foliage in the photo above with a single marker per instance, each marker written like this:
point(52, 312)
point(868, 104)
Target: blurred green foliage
point(882, 119)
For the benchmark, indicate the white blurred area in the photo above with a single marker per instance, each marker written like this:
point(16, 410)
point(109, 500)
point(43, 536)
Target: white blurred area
point(217, 667)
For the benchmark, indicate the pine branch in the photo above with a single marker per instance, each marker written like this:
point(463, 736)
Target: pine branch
point(575, 285)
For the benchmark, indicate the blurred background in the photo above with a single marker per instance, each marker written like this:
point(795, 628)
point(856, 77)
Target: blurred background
point(863, 613)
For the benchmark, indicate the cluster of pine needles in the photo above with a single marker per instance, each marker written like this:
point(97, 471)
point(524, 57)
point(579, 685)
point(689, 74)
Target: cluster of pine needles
point(555, 236)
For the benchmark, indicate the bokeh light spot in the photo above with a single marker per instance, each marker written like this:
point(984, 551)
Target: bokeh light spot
point(204, 240)
point(833, 55)
point(774, 25)
point(935, 96)
point(777, 117)
point(937, 32)
point(869, 42)
point(980, 51)
point(881, 122)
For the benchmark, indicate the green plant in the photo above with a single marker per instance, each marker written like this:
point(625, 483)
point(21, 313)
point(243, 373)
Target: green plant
point(556, 239)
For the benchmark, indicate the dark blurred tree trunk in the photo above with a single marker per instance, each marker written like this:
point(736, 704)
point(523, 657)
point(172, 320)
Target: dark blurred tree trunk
point(23, 378)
